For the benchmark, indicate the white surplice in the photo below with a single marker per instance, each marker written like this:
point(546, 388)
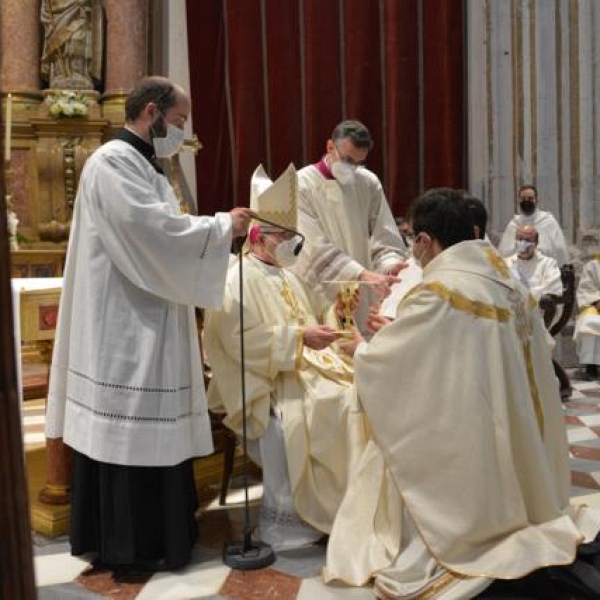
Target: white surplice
point(126, 384)
point(540, 274)
point(309, 392)
point(587, 325)
point(467, 476)
point(348, 228)
point(551, 237)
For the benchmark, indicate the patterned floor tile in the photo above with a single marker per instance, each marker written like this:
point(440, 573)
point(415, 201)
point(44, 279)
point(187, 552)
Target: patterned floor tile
point(295, 574)
point(314, 588)
point(113, 585)
point(578, 434)
point(52, 569)
point(586, 453)
point(198, 580)
point(590, 420)
point(584, 480)
point(66, 591)
point(302, 562)
point(264, 584)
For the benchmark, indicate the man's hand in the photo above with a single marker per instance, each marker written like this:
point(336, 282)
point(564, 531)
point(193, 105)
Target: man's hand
point(240, 219)
point(396, 268)
point(376, 321)
point(318, 337)
point(379, 282)
point(349, 346)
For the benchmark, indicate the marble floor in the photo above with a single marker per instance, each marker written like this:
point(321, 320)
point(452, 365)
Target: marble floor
point(295, 574)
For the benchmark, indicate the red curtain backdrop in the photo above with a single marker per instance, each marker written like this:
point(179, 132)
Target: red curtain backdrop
point(271, 78)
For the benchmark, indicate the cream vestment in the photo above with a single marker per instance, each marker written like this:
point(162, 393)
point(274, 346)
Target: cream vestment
point(587, 325)
point(348, 228)
point(310, 391)
point(466, 478)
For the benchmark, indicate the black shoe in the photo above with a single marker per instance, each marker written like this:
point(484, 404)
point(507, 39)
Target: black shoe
point(589, 552)
point(591, 371)
point(579, 578)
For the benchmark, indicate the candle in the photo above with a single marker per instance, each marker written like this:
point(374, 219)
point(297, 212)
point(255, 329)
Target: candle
point(8, 126)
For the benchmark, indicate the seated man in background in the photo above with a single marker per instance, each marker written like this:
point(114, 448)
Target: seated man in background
point(538, 273)
point(552, 241)
point(299, 392)
point(587, 325)
point(466, 478)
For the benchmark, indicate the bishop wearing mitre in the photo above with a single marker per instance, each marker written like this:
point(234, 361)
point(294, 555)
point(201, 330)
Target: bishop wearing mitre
point(302, 424)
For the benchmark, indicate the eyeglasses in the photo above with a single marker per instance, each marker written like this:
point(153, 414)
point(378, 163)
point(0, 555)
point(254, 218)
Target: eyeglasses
point(349, 160)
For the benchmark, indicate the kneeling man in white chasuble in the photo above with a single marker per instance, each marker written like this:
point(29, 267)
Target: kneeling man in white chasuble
point(126, 386)
point(303, 424)
point(466, 477)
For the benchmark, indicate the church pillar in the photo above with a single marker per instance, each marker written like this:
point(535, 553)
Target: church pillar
point(126, 54)
point(20, 44)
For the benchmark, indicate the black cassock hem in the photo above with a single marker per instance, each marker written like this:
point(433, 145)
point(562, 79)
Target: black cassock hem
point(133, 515)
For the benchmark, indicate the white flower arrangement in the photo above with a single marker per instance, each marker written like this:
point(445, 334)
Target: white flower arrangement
point(67, 103)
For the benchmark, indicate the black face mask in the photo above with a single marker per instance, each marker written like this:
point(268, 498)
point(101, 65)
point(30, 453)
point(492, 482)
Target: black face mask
point(527, 206)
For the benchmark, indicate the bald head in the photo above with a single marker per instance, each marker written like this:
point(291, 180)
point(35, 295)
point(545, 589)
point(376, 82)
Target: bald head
point(528, 233)
point(526, 241)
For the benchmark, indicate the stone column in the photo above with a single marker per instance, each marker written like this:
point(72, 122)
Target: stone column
point(20, 39)
point(126, 53)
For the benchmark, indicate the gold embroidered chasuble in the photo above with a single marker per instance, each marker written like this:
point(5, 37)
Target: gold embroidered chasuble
point(312, 390)
point(466, 476)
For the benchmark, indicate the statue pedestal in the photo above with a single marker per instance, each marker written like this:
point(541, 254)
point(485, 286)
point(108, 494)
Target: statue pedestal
point(51, 520)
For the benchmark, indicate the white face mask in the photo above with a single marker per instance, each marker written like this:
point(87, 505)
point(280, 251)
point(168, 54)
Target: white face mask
point(521, 246)
point(168, 146)
point(343, 172)
point(285, 252)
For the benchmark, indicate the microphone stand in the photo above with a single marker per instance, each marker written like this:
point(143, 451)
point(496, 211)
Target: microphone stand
point(247, 554)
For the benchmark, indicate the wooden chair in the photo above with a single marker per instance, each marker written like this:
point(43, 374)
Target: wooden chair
point(224, 441)
point(551, 304)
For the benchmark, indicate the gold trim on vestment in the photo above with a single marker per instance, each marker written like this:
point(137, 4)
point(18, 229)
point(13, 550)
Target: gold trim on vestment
point(535, 395)
point(532, 302)
point(498, 263)
point(460, 302)
point(299, 347)
point(588, 311)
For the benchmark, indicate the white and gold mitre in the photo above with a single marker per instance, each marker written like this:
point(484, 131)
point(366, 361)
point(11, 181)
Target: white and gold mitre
point(275, 201)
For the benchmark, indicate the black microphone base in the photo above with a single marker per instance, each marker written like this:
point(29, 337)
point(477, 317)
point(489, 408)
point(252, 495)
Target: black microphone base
point(247, 556)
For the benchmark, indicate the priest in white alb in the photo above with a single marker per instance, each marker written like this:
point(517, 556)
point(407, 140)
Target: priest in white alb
point(552, 241)
point(587, 325)
point(303, 425)
point(350, 232)
point(466, 477)
point(540, 274)
point(126, 386)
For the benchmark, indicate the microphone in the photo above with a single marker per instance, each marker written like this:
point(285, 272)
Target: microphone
point(299, 245)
